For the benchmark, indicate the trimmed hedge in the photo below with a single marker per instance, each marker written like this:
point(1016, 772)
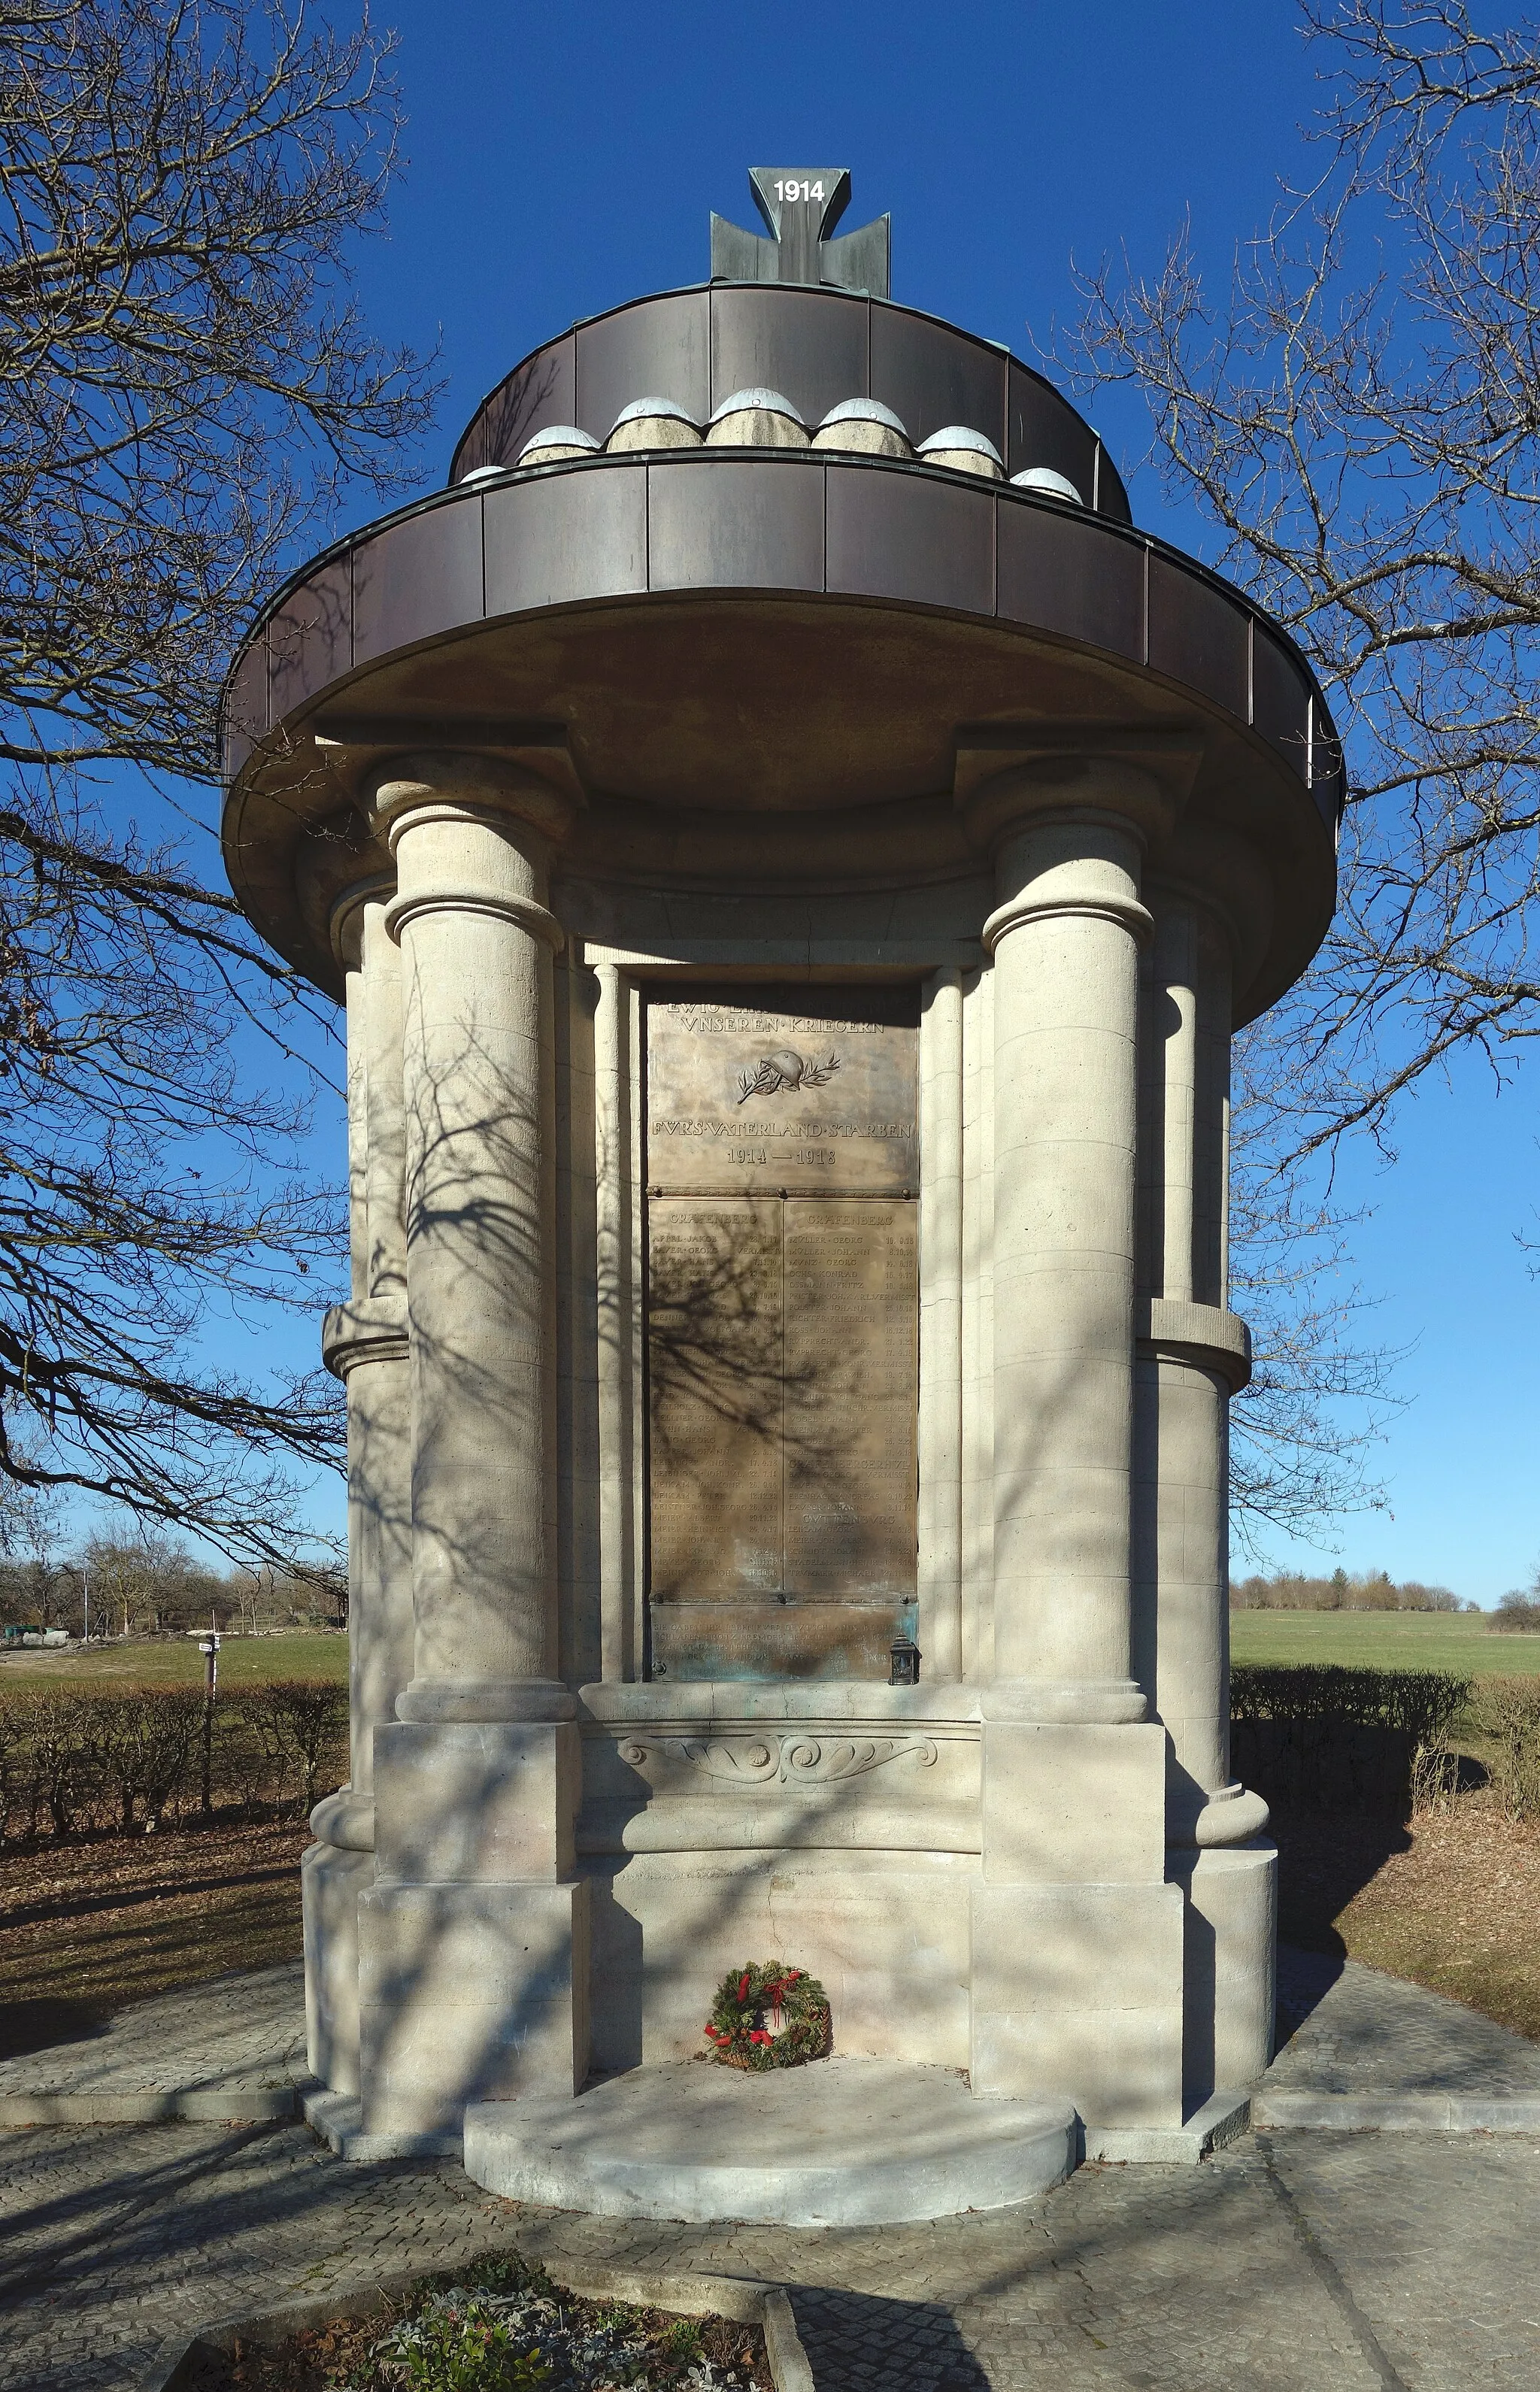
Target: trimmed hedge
point(1327, 1737)
point(126, 1759)
point(1425, 1703)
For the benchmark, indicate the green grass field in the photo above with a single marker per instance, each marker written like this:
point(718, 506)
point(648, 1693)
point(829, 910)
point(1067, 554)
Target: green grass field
point(243, 1661)
point(1390, 1640)
point(1387, 1640)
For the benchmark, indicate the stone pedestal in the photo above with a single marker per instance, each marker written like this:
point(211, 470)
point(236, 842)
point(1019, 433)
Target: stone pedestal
point(1078, 1939)
point(1231, 1941)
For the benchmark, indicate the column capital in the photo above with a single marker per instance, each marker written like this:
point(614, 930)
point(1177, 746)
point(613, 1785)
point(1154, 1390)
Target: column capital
point(1007, 772)
point(461, 785)
point(1078, 861)
point(1219, 872)
point(345, 925)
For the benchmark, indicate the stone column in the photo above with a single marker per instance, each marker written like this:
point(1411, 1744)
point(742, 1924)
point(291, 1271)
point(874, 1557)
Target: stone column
point(613, 1297)
point(1077, 1938)
point(474, 1940)
point(1193, 1354)
point(940, 1631)
point(364, 1342)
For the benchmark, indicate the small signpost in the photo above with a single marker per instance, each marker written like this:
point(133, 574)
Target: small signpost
point(209, 1648)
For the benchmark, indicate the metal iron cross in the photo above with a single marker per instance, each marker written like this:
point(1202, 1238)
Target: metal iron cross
point(802, 205)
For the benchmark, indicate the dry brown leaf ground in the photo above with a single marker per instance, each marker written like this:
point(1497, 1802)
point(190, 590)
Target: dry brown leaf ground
point(88, 1926)
point(1451, 1901)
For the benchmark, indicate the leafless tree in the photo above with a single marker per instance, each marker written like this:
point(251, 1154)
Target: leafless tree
point(1359, 421)
point(187, 392)
point(1356, 418)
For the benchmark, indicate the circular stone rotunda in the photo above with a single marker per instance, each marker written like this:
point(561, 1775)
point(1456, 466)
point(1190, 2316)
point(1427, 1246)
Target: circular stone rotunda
point(793, 855)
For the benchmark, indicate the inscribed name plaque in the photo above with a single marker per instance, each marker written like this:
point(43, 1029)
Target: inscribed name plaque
point(783, 1331)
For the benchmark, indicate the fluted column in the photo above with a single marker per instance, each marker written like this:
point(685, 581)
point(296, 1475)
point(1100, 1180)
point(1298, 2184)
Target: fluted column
point(471, 841)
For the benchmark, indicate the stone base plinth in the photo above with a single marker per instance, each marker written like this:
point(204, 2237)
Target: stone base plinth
point(1230, 1941)
point(469, 1992)
point(1078, 1989)
point(841, 2142)
point(331, 1883)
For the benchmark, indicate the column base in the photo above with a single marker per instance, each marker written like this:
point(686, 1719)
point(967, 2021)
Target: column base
point(1077, 1992)
point(1229, 1946)
point(469, 1992)
point(332, 1881)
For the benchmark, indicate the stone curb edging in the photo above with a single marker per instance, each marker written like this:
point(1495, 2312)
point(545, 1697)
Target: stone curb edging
point(1448, 2113)
point(336, 2118)
point(184, 2364)
point(1220, 2119)
point(236, 2105)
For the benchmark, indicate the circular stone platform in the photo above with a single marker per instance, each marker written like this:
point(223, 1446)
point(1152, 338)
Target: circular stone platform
point(841, 2142)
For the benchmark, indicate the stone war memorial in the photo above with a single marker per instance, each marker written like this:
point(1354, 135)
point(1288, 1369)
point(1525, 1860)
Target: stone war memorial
point(793, 855)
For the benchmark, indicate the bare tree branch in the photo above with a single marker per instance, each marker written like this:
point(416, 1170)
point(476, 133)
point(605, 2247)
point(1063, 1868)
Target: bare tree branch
point(1357, 415)
point(187, 393)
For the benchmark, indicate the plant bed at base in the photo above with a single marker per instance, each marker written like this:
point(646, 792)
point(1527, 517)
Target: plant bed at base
point(500, 2326)
point(768, 2016)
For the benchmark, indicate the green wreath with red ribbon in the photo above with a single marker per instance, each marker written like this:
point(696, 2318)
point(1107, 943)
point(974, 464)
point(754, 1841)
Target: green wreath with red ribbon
point(768, 2016)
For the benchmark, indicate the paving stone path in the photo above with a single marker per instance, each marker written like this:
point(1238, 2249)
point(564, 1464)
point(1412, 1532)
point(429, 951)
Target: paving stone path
point(235, 2036)
point(1291, 2262)
point(1354, 2030)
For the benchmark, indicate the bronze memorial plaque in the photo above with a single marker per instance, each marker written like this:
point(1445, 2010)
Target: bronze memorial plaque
point(783, 1329)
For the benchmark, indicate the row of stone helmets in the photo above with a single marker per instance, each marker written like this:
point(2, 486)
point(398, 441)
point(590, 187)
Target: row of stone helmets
point(763, 419)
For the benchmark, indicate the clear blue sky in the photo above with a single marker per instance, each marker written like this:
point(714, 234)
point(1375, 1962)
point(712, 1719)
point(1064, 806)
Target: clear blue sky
point(562, 160)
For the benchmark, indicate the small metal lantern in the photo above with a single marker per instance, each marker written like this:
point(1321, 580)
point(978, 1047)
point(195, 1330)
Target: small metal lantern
point(904, 1662)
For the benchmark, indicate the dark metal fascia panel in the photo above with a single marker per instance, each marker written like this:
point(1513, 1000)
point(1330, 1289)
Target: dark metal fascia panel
point(310, 638)
point(932, 377)
point(1199, 635)
point(1280, 699)
point(422, 575)
point(661, 352)
point(716, 522)
point(1042, 431)
point(809, 345)
point(562, 538)
point(1072, 574)
point(244, 718)
point(540, 390)
point(915, 537)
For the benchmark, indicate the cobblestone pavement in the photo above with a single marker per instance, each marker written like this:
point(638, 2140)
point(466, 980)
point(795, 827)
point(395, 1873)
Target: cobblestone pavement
point(1292, 2263)
point(1355, 2030)
point(1351, 2030)
point(230, 2033)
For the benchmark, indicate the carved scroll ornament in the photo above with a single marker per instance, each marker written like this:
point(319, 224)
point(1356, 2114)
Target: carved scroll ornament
point(794, 1760)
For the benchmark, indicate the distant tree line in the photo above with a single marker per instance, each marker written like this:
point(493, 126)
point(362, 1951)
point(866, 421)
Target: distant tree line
point(1521, 1610)
point(152, 1583)
point(1343, 1591)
